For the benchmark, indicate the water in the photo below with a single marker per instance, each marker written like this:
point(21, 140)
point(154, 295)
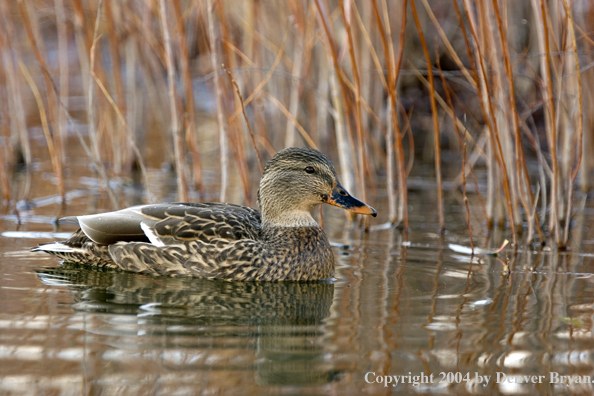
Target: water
point(407, 309)
point(415, 309)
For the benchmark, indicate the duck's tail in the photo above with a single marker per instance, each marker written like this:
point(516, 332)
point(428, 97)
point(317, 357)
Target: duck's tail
point(78, 249)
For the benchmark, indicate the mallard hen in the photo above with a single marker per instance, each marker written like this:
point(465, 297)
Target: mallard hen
point(282, 241)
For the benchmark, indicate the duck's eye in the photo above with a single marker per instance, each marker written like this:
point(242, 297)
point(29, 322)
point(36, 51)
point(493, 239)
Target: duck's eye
point(309, 169)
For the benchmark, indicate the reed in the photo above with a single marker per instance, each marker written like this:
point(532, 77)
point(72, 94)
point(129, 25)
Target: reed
point(166, 82)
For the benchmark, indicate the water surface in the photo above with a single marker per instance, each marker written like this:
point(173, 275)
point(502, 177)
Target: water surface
point(399, 308)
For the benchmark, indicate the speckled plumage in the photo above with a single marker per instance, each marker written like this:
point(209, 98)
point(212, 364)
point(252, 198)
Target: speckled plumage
point(220, 240)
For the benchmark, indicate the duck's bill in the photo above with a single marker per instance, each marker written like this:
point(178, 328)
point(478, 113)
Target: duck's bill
point(341, 198)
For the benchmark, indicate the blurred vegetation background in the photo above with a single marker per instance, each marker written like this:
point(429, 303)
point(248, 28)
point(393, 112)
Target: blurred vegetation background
point(481, 99)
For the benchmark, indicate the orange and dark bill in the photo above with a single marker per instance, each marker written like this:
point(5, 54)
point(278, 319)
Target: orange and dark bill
point(341, 198)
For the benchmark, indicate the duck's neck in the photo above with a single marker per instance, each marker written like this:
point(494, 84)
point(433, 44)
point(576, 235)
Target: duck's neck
point(294, 218)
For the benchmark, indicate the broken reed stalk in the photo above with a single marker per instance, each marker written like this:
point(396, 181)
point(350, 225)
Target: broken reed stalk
point(56, 153)
point(218, 93)
point(436, 145)
point(182, 183)
point(246, 119)
point(189, 96)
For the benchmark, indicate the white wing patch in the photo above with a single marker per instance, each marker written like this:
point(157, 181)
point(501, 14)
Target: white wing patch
point(155, 240)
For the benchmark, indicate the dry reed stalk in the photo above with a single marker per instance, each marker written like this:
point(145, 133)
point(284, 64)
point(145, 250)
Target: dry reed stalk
point(403, 174)
point(525, 193)
point(500, 115)
point(56, 152)
point(451, 51)
point(393, 71)
point(391, 126)
point(262, 83)
point(361, 157)
point(552, 127)
point(6, 156)
point(373, 53)
point(479, 87)
point(587, 160)
point(462, 142)
point(475, 56)
point(411, 140)
point(189, 96)
point(121, 156)
point(343, 136)
point(287, 114)
point(487, 110)
point(83, 44)
point(217, 87)
point(129, 134)
point(299, 48)
point(61, 25)
point(182, 182)
point(436, 139)
point(236, 137)
point(369, 111)
point(579, 122)
point(246, 119)
point(342, 143)
point(446, 108)
point(91, 115)
point(43, 116)
point(14, 102)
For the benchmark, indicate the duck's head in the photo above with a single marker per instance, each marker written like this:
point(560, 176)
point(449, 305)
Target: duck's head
point(297, 179)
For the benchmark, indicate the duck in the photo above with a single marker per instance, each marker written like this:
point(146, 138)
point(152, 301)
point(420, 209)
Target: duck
point(279, 242)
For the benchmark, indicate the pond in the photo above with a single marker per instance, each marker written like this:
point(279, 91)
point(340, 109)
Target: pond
point(405, 314)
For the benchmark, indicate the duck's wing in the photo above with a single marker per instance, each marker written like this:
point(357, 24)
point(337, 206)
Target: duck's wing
point(171, 224)
point(302, 254)
point(201, 221)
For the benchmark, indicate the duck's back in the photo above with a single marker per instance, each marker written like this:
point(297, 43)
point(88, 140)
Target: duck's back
point(169, 224)
point(179, 222)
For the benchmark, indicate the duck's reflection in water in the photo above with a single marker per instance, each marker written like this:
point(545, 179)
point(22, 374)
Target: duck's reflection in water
point(194, 325)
